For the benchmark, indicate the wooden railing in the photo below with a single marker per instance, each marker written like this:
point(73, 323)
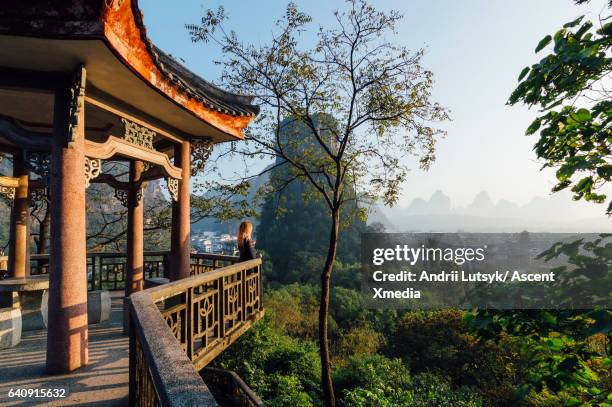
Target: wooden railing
point(176, 329)
point(106, 271)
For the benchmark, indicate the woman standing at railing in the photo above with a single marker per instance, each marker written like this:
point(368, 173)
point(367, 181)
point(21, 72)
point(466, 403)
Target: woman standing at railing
point(246, 247)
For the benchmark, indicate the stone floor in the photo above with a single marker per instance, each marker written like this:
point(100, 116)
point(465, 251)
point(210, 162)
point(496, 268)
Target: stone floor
point(103, 383)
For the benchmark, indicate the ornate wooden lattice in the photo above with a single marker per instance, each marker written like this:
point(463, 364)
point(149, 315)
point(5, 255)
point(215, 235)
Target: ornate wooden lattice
point(138, 135)
point(105, 271)
point(220, 308)
point(205, 314)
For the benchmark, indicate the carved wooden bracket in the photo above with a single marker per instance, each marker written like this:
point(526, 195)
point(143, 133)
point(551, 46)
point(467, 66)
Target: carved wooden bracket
point(77, 101)
point(93, 168)
point(122, 196)
point(173, 188)
point(7, 194)
point(8, 185)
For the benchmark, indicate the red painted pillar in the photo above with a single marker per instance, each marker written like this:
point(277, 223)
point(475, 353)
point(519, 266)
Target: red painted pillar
point(19, 239)
point(180, 245)
point(135, 239)
point(67, 321)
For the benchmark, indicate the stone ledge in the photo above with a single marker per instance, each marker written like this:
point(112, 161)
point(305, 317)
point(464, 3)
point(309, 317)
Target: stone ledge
point(10, 327)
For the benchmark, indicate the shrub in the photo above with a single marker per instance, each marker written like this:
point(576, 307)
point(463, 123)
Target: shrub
point(273, 364)
point(360, 340)
point(440, 342)
point(287, 391)
point(374, 381)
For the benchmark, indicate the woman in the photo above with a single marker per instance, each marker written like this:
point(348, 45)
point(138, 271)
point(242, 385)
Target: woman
point(245, 243)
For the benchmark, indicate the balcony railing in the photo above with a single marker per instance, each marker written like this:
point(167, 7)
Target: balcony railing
point(176, 329)
point(106, 271)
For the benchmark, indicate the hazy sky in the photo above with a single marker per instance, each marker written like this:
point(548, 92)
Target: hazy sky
point(476, 50)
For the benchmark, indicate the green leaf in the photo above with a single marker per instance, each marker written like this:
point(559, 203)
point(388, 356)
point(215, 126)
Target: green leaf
point(533, 127)
point(582, 115)
point(543, 42)
point(571, 402)
point(606, 29)
point(524, 72)
point(573, 23)
point(554, 344)
point(549, 318)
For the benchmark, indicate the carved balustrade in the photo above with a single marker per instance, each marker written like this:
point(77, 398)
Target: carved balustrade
point(203, 314)
point(106, 271)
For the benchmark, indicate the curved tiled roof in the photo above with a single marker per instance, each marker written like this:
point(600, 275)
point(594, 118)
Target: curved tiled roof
point(210, 95)
point(207, 93)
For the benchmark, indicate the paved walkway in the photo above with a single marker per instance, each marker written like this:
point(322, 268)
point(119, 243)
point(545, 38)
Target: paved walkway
point(103, 383)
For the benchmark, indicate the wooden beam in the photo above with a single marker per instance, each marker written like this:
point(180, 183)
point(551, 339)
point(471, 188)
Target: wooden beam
point(116, 146)
point(21, 137)
point(110, 104)
point(9, 182)
point(12, 78)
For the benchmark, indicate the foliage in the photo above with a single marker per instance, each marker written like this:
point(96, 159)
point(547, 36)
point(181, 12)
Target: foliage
point(378, 381)
point(571, 86)
point(280, 369)
point(360, 340)
point(561, 342)
point(441, 342)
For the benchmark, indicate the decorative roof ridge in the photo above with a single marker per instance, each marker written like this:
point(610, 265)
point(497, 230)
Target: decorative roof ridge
point(187, 81)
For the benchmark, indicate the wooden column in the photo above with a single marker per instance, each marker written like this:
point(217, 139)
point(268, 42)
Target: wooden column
point(180, 245)
point(67, 320)
point(135, 239)
point(19, 239)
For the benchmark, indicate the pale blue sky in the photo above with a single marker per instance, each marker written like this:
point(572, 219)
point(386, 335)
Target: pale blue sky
point(476, 50)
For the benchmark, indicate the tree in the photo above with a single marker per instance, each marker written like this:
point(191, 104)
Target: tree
point(376, 94)
point(290, 228)
point(571, 86)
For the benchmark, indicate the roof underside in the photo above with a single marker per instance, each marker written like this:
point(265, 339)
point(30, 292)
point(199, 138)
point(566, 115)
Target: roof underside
point(109, 38)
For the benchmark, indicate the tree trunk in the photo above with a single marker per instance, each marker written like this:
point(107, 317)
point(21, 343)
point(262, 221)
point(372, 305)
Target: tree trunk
point(326, 379)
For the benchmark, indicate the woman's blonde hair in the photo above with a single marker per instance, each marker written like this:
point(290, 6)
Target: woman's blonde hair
point(244, 232)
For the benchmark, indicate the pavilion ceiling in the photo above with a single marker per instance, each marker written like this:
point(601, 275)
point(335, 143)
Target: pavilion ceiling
point(123, 66)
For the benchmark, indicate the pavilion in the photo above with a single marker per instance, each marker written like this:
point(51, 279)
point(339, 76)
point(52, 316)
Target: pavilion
point(79, 84)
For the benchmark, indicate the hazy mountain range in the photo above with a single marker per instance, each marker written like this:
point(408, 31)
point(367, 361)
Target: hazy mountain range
point(437, 214)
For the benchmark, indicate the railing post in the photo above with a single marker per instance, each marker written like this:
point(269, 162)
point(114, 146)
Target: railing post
point(222, 307)
point(93, 273)
point(260, 272)
point(243, 293)
point(189, 325)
